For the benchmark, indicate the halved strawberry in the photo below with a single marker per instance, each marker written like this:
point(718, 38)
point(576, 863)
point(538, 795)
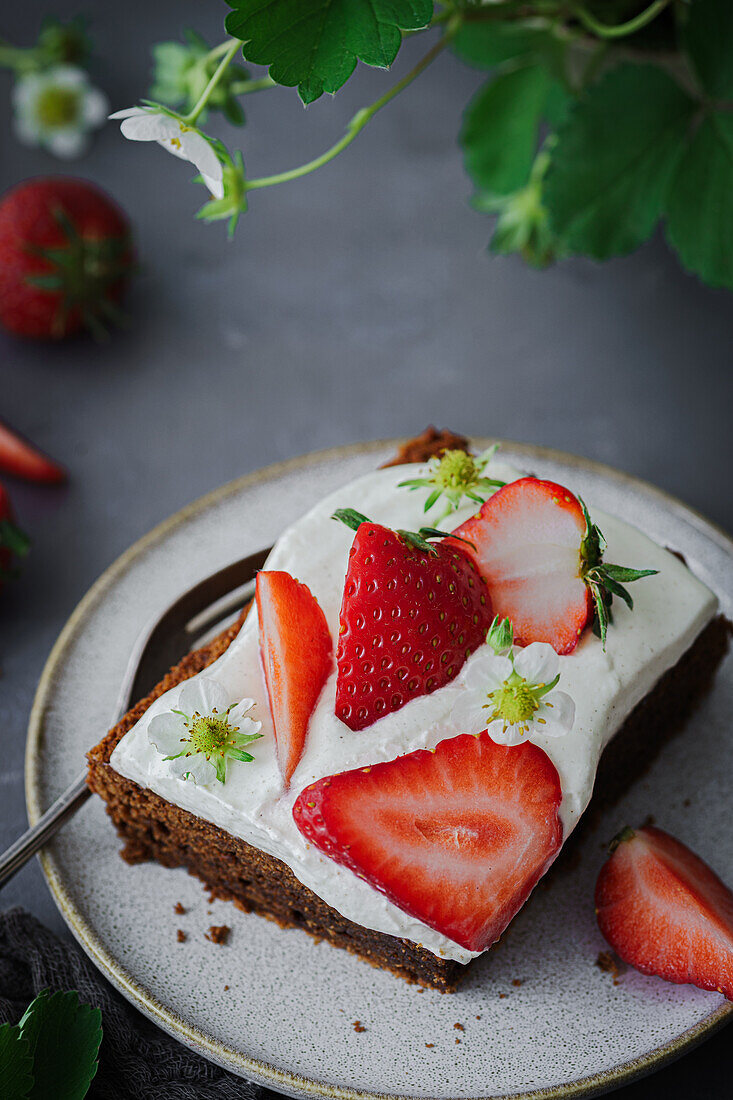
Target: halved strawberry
point(665, 912)
point(295, 644)
point(457, 837)
point(411, 614)
point(540, 554)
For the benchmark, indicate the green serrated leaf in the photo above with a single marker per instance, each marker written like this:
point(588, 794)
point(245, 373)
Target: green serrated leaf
point(615, 154)
point(13, 539)
point(315, 44)
point(16, 1064)
point(625, 573)
point(500, 129)
point(486, 44)
point(63, 1037)
point(700, 202)
point(617, 590)
point(707, 36)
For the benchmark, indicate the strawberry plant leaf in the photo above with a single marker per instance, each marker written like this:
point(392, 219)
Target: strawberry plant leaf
point(315, 44)
point(484, 45)
point(615, 153)
point(500, 129)
point(707, 36)
point(16, 1063)
point(700, 203)
point(63, 1037)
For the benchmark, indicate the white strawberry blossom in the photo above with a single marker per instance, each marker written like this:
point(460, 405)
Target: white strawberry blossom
point(513, 696)
point(57, 109)
point(203, 732)
point(184, 142)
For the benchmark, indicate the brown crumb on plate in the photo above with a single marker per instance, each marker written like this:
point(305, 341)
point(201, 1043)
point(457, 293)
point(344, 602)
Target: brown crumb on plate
point(459, 1027)
point(430, 1045)
point(179, 909)
point(609, 964)
point(181, 936)
point(358, 1026)
point(517, 982)
point(218, 933)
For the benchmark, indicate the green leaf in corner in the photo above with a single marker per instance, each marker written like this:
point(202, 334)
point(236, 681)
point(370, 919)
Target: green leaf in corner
point(486, 44)
point(63, 1037)
point(615, 153)
point(16, 1064)
point(707, 36)
point(700, 203)
point(500, 129)
point(316, 43)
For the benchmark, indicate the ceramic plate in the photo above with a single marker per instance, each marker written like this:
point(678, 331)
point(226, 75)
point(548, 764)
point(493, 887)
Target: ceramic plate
point(537, 1017)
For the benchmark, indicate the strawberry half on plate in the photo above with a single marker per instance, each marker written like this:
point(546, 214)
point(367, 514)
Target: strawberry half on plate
point(457, 837)
point(665, 912)
point(541, 556)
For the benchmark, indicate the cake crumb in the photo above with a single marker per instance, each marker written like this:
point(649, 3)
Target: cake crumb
point(179, 909)
point(478, 1017)
point(502, 996)
point(218, 933)
point(608, 964)
point(458, 1040)
point(459, 1027)
point(430, 1045)
point(358, 1026)
point(650, 819)
point(226, 987)
point(687, 802)
point(181, 936)
point(517, 982)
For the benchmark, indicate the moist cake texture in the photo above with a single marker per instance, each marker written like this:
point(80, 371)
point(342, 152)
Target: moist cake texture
point(244, 847)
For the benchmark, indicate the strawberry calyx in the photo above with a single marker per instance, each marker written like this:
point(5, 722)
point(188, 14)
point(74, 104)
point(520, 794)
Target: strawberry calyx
point(456, 474)
point(84, 272)
point(418, 539)
point(604, 580)
point(625, 834)
point(13, 542)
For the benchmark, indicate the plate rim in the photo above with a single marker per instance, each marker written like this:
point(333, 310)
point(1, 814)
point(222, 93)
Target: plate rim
point(143, 999)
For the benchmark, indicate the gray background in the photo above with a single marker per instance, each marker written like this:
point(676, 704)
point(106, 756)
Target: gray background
point(357, 303)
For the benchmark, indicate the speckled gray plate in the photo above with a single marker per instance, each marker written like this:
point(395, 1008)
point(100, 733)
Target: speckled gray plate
point(538, 1016)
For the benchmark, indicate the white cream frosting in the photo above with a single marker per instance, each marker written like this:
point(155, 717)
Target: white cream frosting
point(670, 611)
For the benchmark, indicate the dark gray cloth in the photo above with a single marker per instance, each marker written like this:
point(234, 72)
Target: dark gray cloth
point(136, 1060)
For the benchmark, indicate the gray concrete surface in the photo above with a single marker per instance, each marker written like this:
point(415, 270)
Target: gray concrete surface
point(355, 304)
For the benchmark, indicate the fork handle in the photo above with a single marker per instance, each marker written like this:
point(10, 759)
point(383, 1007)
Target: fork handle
point(18, 854)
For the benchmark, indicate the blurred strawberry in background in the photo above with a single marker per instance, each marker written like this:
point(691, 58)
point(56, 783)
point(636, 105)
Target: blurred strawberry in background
point(13, 542)
point(65, 258)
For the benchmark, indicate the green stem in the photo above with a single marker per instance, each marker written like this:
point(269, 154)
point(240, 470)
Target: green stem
point(357, 123)
point(231, 49)
point(620, 30)
point(18, 58)
point(244, 87)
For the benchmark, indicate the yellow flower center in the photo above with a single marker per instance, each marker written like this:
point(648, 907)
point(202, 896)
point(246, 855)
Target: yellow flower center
point(456, 470)
point(514, 702)
point(57, 107)
point(209, 733)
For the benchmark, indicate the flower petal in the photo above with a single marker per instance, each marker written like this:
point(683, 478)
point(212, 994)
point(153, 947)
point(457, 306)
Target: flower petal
point(216, 187)
point(201, 770)
point(558, 711)
point(487, 672)
point(538, 663)
point(65, 76)
point(468, 714)
point(149, 126)
point(166, 732)
point(238, 712)
point(197, 149)
point(94, 108)
point(203, 695)
point(66, 143)
point(506, 735)
point(130, 112)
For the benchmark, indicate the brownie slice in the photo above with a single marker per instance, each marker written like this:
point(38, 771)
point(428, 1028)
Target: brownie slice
point(153, 828)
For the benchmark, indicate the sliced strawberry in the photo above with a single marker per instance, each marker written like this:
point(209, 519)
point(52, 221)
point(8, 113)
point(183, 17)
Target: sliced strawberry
point(665, 912)
point(411, 614)
point(527, 540)
point(457, 837)
point(19, 457)
point(295, 644)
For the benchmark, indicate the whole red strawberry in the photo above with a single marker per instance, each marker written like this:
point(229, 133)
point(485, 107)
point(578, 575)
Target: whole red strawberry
point(65, 257)
point(13, 543)
point(412, 612)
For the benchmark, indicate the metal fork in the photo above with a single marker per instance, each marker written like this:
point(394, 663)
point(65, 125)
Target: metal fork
point(189, 622)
